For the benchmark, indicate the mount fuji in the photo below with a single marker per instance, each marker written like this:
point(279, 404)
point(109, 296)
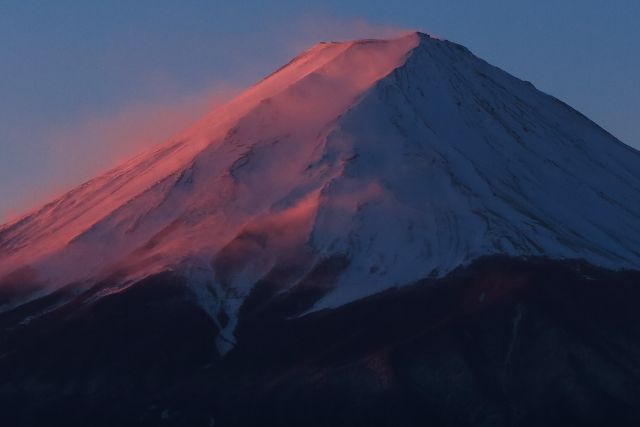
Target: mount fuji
point(382, 232)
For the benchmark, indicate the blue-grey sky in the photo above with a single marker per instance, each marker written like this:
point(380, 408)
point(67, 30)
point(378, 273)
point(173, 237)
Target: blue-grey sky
point(84, 84)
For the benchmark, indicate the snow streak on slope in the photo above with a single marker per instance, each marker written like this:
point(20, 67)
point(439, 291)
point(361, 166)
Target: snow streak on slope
point(405, 157)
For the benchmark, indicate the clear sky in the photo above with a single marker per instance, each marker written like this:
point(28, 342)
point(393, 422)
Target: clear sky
point(84, 84)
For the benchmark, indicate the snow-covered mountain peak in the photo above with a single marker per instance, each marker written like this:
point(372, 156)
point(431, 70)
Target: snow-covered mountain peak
point(379, 161)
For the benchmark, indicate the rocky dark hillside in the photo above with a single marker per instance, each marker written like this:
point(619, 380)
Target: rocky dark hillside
point(502, 342)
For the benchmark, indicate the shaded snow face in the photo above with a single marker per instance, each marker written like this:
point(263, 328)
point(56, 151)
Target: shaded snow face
point(467, 161)
point(405, 157)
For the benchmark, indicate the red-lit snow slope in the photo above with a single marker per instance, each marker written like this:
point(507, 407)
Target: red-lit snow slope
point(403, 158)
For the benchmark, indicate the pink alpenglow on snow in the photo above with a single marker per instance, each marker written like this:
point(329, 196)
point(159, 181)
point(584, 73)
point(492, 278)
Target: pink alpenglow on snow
point(405, 158)
point(165, 194)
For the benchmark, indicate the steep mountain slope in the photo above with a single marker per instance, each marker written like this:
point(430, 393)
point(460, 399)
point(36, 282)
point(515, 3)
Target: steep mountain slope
point(357, 168)
point(197, 192)
point(406, 157)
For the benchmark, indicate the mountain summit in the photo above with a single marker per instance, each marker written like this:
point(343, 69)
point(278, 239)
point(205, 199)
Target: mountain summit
point(407, 157)
point(356, 168)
